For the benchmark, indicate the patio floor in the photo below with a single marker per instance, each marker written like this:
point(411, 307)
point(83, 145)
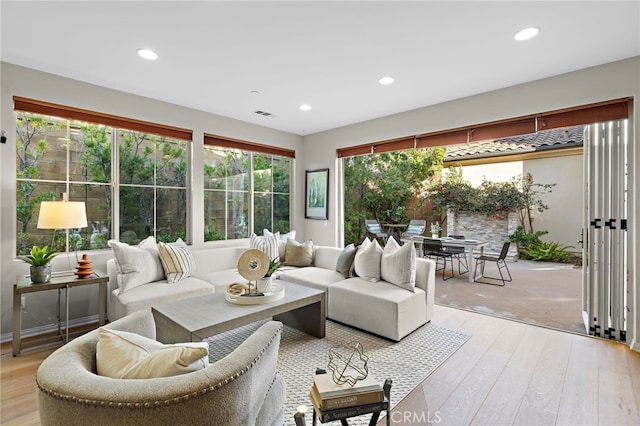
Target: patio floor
point(541, 293)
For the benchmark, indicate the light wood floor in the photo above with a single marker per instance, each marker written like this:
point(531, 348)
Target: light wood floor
point(507, 373)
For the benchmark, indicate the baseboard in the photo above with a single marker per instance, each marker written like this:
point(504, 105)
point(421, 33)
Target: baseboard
point(635, 345)
point(48, 328)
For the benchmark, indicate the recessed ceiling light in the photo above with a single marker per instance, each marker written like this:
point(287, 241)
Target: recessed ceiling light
point(254, 92)
point(305, 107)
point(386, 80)
point(527, 33)
point(147, 54)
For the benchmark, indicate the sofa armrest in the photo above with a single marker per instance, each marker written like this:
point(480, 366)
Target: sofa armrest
point(426, 280)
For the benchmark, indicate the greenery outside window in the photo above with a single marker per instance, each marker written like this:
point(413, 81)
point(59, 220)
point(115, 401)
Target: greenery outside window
point(238, 182)
point(55, 155)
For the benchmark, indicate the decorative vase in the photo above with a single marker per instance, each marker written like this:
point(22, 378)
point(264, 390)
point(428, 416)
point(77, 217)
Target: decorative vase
point(84, 269)
point(434, 236)
point(41, 274)
point(264, 285)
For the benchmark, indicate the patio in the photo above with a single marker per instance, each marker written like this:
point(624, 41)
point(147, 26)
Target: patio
point(541, 293)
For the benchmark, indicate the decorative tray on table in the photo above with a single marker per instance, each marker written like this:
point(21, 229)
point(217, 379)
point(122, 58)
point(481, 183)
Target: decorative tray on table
point(247, 298)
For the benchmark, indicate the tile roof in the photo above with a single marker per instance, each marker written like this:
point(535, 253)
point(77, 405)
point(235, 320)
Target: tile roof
point(545, 140)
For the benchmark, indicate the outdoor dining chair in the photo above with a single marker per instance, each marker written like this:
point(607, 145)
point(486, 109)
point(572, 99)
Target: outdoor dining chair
point(434, 249)
point(414, 229)
point(459, 253)
point(500, 262)
point(374, 230)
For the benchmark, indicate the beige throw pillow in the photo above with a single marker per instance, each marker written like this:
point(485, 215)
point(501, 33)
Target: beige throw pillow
point(299, 254)
point(398, 265)
point(124, 355)
point(367, 260)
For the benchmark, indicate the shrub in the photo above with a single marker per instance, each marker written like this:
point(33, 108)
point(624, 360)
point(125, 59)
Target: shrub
point(552, 252)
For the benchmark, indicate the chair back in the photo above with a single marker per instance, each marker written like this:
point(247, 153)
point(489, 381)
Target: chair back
point(429, 245)
point(416, 227)
point(373, 226)
point(504, 251)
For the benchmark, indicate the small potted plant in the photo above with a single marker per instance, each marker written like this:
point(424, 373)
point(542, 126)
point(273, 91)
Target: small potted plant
point(264, 283)
point(435, 229)
point(40, 261)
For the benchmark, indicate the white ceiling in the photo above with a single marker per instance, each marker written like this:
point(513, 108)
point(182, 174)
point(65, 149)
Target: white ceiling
point(327, 54)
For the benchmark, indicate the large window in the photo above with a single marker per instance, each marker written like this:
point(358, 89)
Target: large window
point(244, 191)
point(145, 196)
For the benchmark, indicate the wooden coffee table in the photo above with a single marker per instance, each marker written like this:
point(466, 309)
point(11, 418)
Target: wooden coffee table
point(194, 319)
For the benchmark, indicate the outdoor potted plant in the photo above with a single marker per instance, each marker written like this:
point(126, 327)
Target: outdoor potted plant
point(264, 283)
point(395, 215)
point(40, 261)
point(435, 229)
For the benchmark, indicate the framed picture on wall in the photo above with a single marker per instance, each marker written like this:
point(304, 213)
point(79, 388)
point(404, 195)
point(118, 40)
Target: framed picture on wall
point(316, 204)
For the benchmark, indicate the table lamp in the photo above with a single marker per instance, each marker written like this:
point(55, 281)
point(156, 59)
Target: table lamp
point(62, 215)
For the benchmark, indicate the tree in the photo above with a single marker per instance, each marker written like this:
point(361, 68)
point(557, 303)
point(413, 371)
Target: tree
point(31, 147)
point(532, 194)
point(377, 183)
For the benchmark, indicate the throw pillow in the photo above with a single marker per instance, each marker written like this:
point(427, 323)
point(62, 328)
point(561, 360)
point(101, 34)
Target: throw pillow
point(282, 241)
point(298, 254)
point(268, 245)
point(137, 265)
point(345, 260)
point(398, 265)
point(177, 261)
point(367, 260)
point(124, 355)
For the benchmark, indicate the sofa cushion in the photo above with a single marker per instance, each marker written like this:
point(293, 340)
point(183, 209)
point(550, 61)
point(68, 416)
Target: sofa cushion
point(398, 264)
point(176, 260)
point(367, 260)
point(345, 261)
point(268, 245)
point(222, 279)
point(282, 241)
point(137, 265)
point(157, 293)
point(124, 355)
point(299, 254)
point(383, 309)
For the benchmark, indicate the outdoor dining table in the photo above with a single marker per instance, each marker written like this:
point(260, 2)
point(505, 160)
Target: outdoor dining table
point(469, 248)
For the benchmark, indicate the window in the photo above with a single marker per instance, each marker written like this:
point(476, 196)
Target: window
point(238, 182)
point(54, 155)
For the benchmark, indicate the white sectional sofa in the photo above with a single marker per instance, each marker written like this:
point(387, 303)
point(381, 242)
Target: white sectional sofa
point(377, 307)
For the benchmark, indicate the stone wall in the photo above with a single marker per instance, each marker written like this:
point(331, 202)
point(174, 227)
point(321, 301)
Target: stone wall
point(484, 228)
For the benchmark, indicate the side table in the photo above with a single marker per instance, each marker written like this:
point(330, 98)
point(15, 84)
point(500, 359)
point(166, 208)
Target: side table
point(24, 285)
point(343, 414)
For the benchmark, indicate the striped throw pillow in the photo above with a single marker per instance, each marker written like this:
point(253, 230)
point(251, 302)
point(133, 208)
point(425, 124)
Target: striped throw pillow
point(268, 245)
point(177, 261)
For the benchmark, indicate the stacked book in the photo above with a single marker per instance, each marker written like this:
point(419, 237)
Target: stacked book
point(332, 401)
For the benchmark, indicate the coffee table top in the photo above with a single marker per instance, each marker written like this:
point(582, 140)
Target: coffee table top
point(205, 316)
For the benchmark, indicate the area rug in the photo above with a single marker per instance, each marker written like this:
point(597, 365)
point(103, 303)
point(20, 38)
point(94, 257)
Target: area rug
point(407, 363)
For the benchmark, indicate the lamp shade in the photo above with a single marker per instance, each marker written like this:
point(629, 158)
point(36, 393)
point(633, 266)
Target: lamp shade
point(62, 215)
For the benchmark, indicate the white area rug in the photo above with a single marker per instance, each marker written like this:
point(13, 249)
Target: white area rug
point(407, 363)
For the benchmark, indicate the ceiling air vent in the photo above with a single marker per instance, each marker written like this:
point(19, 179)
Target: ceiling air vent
point(264, 113)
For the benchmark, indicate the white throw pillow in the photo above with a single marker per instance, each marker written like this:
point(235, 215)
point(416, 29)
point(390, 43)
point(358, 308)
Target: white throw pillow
point(398, 265)
point(282, 242)
point(367, 260)
point(136, 265)
point(177, 260)
point(125, 355)
point(268, 245)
